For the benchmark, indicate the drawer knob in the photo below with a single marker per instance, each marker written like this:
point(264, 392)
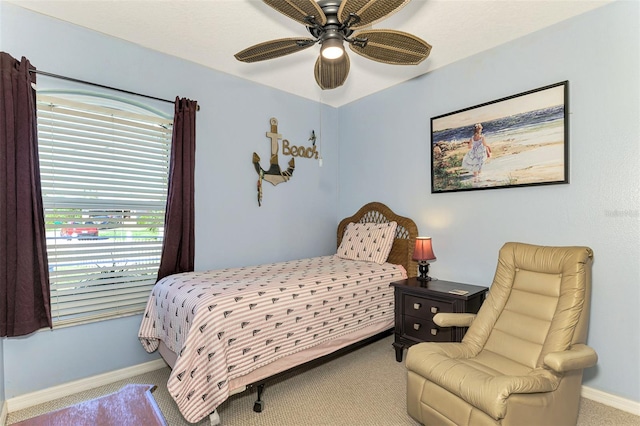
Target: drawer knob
point(416, 326)
point(416, 306)
point(434, 331)
point(434, 310)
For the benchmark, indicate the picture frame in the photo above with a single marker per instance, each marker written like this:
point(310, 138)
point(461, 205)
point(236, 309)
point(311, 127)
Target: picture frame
point(523, 141)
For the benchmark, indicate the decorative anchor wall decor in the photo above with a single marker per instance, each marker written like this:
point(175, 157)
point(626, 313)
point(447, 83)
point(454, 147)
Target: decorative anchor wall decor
point(275, 175)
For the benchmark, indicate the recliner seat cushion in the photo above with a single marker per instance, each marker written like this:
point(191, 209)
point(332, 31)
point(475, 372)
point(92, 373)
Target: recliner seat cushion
point(477, 380)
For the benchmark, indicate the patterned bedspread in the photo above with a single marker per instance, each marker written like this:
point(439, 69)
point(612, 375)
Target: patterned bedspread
point(226, 323)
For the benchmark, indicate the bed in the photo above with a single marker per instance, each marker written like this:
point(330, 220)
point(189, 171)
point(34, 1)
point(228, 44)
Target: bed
point(223, 330)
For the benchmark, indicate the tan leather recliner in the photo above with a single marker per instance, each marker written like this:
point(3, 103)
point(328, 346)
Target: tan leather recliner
point(521, 361)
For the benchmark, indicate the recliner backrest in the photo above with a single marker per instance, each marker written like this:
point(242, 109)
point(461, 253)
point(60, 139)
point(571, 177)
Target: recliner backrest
point(537, 303)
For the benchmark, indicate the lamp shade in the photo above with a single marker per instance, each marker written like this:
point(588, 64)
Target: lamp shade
point(423, 249)
point(332, 48)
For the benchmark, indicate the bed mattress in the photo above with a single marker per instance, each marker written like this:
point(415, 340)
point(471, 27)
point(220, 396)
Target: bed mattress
point(226, 324)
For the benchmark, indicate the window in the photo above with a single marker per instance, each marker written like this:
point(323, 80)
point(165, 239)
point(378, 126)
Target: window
point(104, 186)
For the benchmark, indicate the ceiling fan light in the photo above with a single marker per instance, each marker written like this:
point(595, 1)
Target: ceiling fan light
point(332, 48)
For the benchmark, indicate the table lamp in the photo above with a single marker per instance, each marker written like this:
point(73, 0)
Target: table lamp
point(423, 252)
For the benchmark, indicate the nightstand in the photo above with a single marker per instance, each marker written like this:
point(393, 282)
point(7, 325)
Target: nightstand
point(416, 302)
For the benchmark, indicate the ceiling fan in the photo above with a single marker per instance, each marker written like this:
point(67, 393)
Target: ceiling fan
point(331, 23)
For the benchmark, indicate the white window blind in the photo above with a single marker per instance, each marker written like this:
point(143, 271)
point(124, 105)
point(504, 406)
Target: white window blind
point(104, 184)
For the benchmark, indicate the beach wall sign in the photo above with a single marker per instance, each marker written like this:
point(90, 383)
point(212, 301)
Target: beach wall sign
point(275, 174)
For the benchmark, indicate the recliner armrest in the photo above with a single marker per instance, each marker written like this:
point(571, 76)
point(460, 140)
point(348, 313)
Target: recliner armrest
point(578, 357)
point(453, 319)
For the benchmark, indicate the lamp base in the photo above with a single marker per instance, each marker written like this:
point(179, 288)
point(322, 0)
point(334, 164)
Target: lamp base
point(423, 268)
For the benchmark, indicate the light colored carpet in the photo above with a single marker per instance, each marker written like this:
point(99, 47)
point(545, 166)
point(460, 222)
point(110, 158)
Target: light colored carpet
point(365, 387)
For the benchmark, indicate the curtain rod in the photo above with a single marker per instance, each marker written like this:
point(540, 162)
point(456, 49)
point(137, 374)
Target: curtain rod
point(75, 80)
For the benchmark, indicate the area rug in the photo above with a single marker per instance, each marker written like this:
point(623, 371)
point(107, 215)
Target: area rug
point(133, 405)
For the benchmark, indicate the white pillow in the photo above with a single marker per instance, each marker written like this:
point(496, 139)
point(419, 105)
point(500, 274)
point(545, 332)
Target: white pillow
point(370, 242)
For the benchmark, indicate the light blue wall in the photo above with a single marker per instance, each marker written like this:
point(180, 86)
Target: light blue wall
point(297, 218)
point(49, 358)
point(384, 155)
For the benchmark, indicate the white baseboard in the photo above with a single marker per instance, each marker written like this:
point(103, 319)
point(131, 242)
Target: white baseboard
point(39, 397)
point(4, 412)
point(611, 400)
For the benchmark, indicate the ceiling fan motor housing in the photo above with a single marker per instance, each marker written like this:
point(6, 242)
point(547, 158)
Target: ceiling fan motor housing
point(333, 29)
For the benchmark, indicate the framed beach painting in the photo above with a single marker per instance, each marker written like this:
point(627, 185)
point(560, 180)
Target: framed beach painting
point(521, 140)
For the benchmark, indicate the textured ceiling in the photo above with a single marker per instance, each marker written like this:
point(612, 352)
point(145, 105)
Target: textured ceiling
point(210, 32)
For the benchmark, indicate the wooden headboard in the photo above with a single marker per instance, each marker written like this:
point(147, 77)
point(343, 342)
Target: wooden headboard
point(406, 233)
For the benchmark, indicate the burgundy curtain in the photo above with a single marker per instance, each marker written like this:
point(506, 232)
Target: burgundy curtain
point(24, 272)
point(178, 246)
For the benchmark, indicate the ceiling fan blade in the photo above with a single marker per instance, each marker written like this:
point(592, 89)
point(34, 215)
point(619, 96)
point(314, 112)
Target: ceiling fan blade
point(332, 73)
point(298, 10)
point(392, 47)
point(369, 11)
point(274, 49)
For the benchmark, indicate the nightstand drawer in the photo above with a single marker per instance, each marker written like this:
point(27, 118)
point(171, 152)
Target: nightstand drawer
point(423, 330)
point(416, 303)
point(424, 308)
